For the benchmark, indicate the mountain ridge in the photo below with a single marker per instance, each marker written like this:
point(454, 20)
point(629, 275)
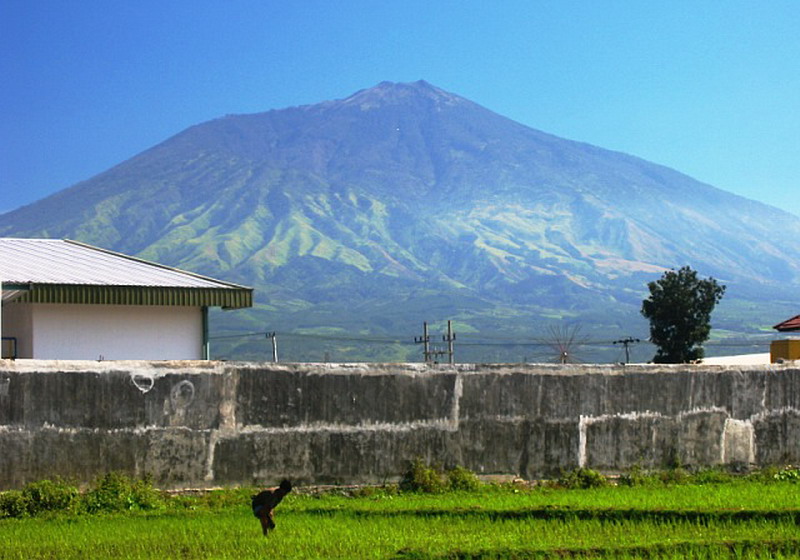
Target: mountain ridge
point(406, 189)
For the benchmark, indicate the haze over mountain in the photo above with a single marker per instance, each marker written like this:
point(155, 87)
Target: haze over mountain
point(404, 202)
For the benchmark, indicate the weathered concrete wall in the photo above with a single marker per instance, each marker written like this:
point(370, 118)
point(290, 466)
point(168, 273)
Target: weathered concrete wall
point(195, 424)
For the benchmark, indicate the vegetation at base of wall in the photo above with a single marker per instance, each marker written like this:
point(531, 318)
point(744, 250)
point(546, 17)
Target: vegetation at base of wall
point(112, 492)
point(582, 478)
point(462, 479)
point(421, 477)
point(788, 475)
point(638, 476)
point(433, 479)
point(743, 518)
point(118, 493)
point(50, 495)
point(58, 496)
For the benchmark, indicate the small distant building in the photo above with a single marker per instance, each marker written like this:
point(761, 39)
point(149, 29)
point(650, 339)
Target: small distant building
point(738, 360)
point(789, 325)
point(786, 349)
point(62, 299)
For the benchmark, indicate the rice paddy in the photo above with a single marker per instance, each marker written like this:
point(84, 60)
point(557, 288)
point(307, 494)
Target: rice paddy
point(736, 519)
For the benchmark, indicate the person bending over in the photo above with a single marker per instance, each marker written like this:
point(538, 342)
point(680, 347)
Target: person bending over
point(266, 501)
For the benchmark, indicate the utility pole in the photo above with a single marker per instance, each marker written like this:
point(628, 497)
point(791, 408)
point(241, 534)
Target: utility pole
point(449, 339)
point(626, 342)
point(430, 354)
point(425, 340)
point(274, 337)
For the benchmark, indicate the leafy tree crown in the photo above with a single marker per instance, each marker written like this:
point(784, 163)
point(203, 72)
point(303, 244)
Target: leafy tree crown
point(679, 310)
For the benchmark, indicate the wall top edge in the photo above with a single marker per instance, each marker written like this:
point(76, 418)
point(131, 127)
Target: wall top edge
point(360, 368)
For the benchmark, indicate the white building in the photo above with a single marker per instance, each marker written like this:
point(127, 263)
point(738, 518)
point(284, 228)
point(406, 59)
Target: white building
point(63, 299)
point(760, 359)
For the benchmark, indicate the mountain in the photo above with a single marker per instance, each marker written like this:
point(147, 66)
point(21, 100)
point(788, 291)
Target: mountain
point(404, 202)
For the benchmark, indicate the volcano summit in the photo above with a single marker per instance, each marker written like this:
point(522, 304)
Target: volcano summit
point(404, 202)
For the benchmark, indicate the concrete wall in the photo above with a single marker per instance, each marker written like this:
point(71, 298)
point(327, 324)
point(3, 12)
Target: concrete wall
point(195, 424)
point(115, 332)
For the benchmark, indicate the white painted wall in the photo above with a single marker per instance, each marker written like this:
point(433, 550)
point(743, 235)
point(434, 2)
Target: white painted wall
point(110, 332)
point(18, 323)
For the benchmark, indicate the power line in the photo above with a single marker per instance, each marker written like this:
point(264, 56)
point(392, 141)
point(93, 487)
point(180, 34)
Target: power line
point(473, 340)
point(242, 335)
point(381, 340)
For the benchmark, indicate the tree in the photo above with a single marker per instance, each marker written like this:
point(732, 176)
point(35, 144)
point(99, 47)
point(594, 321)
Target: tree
point(679, 310)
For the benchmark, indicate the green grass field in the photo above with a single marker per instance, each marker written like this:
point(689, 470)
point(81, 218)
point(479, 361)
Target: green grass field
point(739, 519)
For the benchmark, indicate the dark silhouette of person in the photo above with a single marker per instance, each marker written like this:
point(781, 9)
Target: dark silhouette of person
point(266, 501)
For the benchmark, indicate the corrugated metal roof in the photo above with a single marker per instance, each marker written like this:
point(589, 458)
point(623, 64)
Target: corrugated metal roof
point(792, 324)
point(65, 271)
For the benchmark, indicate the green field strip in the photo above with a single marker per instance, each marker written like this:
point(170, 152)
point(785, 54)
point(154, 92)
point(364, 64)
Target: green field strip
point(570, 514)
point(733, 549)
point(742, 520)
point(233, 533)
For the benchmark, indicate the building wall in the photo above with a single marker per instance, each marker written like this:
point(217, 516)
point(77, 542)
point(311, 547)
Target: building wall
point(18, 323)
point(107, 332)
point(205, 424)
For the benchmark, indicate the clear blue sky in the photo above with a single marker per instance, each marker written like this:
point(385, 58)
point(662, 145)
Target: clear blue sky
point(711, 89)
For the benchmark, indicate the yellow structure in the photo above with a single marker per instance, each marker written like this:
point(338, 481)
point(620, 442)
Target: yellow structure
point(784, 350)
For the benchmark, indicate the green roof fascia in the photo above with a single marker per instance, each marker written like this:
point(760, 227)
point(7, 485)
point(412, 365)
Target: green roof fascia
point(10, 286)
point(227, 298)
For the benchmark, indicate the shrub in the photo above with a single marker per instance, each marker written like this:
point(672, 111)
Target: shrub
point(422, 478)
point(711, 476)
point(637, 476)
point(118, 492)
point(788, 474)
point(13, 503)
point(50, 495)
point(764, 475)
point(677, 475)
point(461, 478)
point(582, 478)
